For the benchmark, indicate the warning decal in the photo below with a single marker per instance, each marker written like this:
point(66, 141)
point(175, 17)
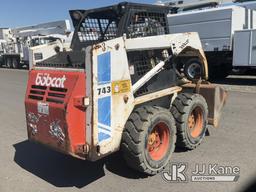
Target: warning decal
point(121, 87)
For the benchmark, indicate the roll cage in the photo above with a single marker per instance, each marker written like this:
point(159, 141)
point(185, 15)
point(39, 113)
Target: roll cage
point(101, 24)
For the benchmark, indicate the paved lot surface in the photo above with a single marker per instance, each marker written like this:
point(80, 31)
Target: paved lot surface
point(27, 167)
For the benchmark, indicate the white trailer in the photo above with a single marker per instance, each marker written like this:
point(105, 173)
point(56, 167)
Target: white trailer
point(16, 43)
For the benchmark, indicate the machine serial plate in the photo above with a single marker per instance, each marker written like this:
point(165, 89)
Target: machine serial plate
point(43, 108)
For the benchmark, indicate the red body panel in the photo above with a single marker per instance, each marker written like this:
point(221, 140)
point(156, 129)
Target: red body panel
point(53, 116)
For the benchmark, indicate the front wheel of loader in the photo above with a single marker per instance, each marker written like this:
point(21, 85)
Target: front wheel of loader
point(149, 139)
point(193, 69)
point(191, 113)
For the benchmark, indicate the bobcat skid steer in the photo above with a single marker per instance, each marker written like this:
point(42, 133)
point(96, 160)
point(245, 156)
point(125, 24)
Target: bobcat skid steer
point(120, 92)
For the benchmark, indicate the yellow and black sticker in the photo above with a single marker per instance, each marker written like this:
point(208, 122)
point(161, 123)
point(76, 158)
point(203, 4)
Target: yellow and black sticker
point(121, 87)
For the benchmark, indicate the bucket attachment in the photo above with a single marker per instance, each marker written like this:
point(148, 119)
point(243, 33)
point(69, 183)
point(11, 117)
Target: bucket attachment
point(215, 97)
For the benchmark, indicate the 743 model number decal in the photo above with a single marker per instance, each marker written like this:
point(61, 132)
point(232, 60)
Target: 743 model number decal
point(104, 90)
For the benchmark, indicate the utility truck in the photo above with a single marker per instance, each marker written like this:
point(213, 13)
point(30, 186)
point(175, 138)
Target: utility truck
point(16, 43)
point(227, 32)
point(119, 89)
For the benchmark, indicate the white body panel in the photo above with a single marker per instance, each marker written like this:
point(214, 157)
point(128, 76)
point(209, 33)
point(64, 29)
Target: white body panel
point(113, 92)
point(110, 67)
point(176, 41)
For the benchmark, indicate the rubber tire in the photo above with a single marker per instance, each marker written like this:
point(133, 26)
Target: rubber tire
point(186, 66)
point(181, 108)
point(134, 139)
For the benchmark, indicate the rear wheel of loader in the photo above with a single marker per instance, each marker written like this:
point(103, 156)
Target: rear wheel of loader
point(149, 139)
point(190, 112)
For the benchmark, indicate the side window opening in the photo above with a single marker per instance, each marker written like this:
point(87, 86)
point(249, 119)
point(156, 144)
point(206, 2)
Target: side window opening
point(144, 24)
point(97, 30)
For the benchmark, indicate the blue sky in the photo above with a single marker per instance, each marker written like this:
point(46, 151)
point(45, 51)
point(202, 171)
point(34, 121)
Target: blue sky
point(19, 13)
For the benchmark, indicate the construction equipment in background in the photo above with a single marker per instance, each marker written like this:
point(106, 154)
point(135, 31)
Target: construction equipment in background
point(15, 43)
point(118, 88)
point(46, 50)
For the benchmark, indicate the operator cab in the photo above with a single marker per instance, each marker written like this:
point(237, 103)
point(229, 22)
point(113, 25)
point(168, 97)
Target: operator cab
point(97, 25)
point(42, 40)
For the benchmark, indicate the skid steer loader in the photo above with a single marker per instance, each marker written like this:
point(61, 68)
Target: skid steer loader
point(118, 89)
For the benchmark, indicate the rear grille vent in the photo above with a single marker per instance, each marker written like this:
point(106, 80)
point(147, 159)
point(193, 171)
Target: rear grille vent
point(38, 87)
point(58, 89)
point(51, 94)
point(60, 95)
point(56, 95)
point(37, 92)
point(34, 97)
point(52, 100)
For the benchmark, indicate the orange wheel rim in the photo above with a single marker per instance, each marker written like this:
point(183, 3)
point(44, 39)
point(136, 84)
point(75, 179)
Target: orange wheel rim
point(158, 141)
point(196, 122)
